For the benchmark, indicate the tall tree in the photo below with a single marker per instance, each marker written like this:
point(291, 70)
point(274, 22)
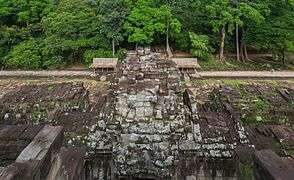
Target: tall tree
point(113, 14)
point(276, 32)
point(74, 27)
point(146, 20)
point(169, 24)
point(249, 14)
point(222, 19)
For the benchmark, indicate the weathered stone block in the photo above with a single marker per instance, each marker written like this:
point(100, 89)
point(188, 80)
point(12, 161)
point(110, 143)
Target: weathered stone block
point(68, 165)
point(16, 171)
point(41, 151)
point(269, 166)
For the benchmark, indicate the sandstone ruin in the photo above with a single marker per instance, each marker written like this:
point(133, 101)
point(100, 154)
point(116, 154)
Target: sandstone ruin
point(147, 125)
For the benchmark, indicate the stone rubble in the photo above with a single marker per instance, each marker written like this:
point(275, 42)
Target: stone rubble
point(150, 121)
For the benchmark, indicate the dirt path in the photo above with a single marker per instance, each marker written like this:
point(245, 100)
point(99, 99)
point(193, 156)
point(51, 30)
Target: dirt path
point(247, 74)
point(41, 74)
point(204, 74)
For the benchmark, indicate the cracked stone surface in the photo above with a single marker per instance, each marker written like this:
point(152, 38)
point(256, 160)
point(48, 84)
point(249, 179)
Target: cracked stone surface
point(150, 123)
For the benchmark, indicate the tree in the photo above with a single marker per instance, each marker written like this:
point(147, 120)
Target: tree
point(113, 14)
point(146, 19)
point(275, 34)
point(141, 23)
point(73, 28)
point(249, 15)
point(200, 46)
point(222, 18)
point(169, 25)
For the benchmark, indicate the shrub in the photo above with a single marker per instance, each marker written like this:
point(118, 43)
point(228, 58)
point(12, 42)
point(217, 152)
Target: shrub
point(54, 62)
point(25, 55)
point(121, 54)
point(200, 46)
point(182, 41)
point(100, 53)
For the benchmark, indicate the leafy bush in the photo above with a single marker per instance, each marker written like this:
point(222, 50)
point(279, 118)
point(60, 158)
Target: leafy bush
point(200, 46)
point(54, 62)
point(121, 54)
point(25, 55)
point(100, 53)
point(182, 41)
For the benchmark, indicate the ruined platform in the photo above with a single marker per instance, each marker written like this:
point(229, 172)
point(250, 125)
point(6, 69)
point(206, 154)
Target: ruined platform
point(151, 128)
point(149, 123)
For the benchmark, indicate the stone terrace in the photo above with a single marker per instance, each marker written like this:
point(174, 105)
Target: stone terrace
point(148, 125)
point(151, 128)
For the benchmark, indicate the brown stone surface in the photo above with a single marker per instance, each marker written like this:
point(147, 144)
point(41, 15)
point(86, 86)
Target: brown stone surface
point(69, 165)
point(40, 152)
point(13, 139)
point(16, 171)
point(269, 166)
point(279, 138)
point(72, 103)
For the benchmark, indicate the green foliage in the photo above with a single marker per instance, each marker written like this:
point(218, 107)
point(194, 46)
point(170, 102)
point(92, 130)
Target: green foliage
point(67, 29)
point(19, 21)
point(54, 62)
point(101, 53)
point(200, 46)
point(146, 20)
point(275, 33)
point(90, 54)
point(141, 24)
point(121, 54)
point(25, 55)
point(221, 15)
point(113, 14)
point(233, 65)
point(72, 29)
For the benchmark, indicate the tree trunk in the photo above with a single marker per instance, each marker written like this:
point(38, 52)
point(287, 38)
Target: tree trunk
point(242, 51)
point(237, 43)
point(113, 48)
point(246, 53)
point(283, 58)
point(168, 50)
point(222, 44)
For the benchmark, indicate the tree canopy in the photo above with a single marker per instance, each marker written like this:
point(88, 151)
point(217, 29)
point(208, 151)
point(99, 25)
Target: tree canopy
point(54, 33)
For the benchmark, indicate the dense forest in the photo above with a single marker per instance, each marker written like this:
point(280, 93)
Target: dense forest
point(46, 34)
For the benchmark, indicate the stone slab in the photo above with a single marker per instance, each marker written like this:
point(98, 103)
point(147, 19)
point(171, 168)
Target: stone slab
point(40, 152)
point(69, 165)
point(268, 165)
